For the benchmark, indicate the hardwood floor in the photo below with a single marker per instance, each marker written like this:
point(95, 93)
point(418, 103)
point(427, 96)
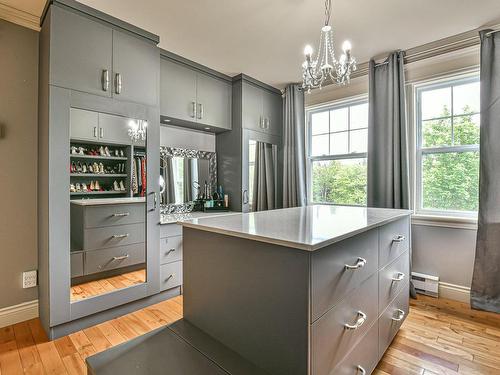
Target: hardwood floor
point(439, 337)
point(102, 286)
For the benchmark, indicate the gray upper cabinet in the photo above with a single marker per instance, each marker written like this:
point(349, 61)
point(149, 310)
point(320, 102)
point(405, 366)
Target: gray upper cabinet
point(213, 98)
point(262, 109)
point(84, 125)
point(135, 69)
point(273, 112)
point(80, 53)
point(114, 129)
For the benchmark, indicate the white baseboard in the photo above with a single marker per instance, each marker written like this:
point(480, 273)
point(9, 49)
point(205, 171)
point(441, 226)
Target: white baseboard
point(18, 313)
point(454, 292)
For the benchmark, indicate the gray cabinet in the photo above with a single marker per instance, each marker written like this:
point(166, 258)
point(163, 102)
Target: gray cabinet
point(84, 125)
point(213, 98)
point(262, 109)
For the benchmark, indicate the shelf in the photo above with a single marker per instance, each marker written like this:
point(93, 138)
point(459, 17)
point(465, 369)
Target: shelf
point(97, 192)
point(97, 175)
point(98, 157)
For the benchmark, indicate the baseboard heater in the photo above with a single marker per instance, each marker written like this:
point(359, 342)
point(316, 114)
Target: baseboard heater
point(425, 284)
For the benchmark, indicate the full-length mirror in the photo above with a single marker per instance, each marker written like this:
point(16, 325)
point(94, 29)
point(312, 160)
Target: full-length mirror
point(262, 175)
point(107, 203)
point(185, 177)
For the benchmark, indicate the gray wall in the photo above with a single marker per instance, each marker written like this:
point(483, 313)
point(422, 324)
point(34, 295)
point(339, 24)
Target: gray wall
point(171, 136)
point(18, 160)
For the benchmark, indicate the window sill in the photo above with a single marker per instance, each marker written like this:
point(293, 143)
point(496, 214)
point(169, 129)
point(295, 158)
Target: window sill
point(469, 223)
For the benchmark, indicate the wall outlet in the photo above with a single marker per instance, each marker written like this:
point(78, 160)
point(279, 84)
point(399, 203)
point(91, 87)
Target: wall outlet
point(29, 279)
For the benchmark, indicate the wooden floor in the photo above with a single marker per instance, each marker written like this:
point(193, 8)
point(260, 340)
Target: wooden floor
point(439, 337)
point(110, 284)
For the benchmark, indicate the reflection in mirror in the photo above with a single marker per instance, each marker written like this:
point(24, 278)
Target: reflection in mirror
point(262, 178)
point(107, 205)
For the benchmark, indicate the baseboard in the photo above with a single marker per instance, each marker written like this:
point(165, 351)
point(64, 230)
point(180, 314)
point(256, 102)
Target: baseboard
point(454, 292)
point(18, 313)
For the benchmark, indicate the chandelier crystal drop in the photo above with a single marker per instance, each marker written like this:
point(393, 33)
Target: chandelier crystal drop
point(137, 130)
point(325, 67)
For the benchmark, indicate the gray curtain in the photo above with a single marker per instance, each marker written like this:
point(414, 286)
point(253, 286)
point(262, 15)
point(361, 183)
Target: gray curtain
point(485, 291)
point(388, 162)
point(264, 178)
point(168, 177)
point(294, 170)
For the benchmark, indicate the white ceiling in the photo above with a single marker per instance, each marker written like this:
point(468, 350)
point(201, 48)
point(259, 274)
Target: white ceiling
point(265, 38)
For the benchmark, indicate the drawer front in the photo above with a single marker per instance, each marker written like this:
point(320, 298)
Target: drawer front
point(331, 340)
point(391, 319)
point(170, 230)
point(108, 215)
point(119, 235)
point(170, 275)
point(392, 279)
point(76, 264)
point(170, 249)
point(116, 257)
point(392, 243)
point(331, 281)
point(363, 358)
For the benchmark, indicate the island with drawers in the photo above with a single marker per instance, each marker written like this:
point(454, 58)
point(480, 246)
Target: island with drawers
point(313, 290)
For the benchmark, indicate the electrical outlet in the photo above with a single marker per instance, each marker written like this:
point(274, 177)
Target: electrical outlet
point(29, 279)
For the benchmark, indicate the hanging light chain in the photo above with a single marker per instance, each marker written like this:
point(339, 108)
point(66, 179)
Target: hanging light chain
point(328, 11)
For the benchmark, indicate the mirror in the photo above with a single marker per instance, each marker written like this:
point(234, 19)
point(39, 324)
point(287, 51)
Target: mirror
point(262, 175)
point(107, 203)
point(186, 176)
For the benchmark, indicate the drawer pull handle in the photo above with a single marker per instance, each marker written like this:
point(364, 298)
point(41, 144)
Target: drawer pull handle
point(169, 251)
point(359, 322)
point(123, 257)
point(401, 315)
point(400, 276)
point(361, 262)
point(120, 235)
point(121, 214)
point(361, 370)
point(399, 238)
point(169, 277)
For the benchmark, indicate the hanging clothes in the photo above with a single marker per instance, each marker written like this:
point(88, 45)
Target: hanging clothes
point(143, 176)
point(135, 187)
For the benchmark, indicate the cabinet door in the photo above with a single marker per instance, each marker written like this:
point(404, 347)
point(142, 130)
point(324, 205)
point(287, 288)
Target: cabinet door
point(114, 129)
point(214, 101)
point(252, 107)
point(137, 64)
point(273, 112)
point(83, 125)
point(80, 53)
point(177, 91)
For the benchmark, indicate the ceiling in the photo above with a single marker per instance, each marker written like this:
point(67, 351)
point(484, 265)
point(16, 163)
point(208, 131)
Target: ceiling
point(265, 38)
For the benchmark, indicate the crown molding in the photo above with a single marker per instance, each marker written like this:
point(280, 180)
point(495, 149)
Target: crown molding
point(19, 17)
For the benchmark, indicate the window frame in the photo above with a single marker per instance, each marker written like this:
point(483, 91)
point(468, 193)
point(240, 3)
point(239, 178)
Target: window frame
point(420, 152)
point(335, 105)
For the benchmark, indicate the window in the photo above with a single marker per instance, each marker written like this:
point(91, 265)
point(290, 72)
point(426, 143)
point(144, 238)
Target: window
point(338, 141)
point(447, 172)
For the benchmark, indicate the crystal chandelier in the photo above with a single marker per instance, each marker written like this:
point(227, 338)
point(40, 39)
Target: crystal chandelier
point(325, 67)
point(137, 130)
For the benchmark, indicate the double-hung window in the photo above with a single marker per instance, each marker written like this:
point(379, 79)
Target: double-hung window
point(337, 153)
point(447, 170)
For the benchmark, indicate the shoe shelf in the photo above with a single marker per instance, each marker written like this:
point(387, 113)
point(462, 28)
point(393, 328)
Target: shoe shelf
point(96, 192)
point(76, 156)
point(97, 175)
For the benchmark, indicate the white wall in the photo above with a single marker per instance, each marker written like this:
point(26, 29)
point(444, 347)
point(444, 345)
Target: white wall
point(171, 136)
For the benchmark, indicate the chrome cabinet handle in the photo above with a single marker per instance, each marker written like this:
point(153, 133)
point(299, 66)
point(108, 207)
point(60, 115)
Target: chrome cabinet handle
point(245, 196)
point(193, 110)
point(118, 83)
point(101, 132)
point(169, 277)
point(169, 251)
point(200, 111)
point(360, 263)
point(400, 276)
point(121, 257)
point(155, 201)
point(266, 123)
point(361, 370)
point(361, 319)
point(105, 80)
point(399, 238)
point(121, 214)
point(120, 235)
point(95, 131)
point(401, 315)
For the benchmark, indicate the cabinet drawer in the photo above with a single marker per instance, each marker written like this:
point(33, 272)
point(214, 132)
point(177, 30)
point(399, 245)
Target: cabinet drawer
point(331, 339)
point(170, 230)
point(170, 275)
point(108, 215)
point(76, 264)
point(331, 281)
point(116, 257)
point(391, 319)
point(364, 356)
point(394, 240)
point(170, 249)
point(392, 279)
point(119, 235)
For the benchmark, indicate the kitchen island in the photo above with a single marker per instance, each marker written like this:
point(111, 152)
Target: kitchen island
point(311, 290)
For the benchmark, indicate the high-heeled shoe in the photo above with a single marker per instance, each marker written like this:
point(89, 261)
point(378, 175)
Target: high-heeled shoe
point(72, 167)
point(74, 150)
point(97, 186)
point(79, 167)
point(101, 168)
point(122, 187)
point(106, 151)
point(121, 153)
point(117, 153)
point(84, 168)
point(72, 188)
point(115, 186)
point(92, 186)
point(84, 187)
point(101, 151)
point(78, 187)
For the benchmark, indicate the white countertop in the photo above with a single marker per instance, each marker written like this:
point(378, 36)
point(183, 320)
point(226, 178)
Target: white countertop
point(175, 218)
point(104, 201)
point(306, 228)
